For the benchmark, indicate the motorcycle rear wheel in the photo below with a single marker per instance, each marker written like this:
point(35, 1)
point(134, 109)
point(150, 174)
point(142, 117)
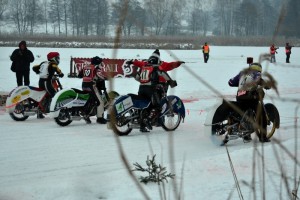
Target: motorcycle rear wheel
point(18, 113)
point(64, 118)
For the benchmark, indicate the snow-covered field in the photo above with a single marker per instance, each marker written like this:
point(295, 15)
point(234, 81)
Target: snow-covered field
point(40, 160)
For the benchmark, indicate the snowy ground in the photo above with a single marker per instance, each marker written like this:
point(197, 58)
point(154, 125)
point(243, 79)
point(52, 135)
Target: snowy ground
point(41, 161)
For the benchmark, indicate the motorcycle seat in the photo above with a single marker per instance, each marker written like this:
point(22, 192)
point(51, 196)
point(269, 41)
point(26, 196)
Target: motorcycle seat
point(80, 91)
point(35, 88)
point(137, 97)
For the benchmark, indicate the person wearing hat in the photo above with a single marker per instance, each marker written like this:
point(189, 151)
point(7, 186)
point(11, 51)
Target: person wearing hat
point(21, 59)
point(151, 73)
point(205, 51)
point(248, 96)
point(288, 52)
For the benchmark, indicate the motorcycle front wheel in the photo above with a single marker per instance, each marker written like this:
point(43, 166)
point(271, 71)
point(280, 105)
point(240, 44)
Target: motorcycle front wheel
point(170, 122)
point(273, 120)
point(18, 113)
point(64, 118)
point(120, 125)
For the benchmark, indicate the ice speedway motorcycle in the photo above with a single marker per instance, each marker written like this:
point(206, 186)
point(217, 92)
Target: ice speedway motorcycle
point(25, 101)
point(129, 111)
point(225, 123)
point(72, 104)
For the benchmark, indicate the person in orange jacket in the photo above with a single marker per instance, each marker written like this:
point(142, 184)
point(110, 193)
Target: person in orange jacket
point(205, 50)
point(273, 49)
point(152, 73)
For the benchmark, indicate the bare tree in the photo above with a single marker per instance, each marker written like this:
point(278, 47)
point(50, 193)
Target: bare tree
point(55, 10)
point(18, 10)
point(174, 17)
point(224, 16)
point(65, 9)
point(101, 17)
point(45, 9)
point(3, 6)
point(157, 13)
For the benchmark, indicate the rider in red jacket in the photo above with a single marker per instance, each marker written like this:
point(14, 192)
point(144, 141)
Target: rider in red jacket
point(152, 73)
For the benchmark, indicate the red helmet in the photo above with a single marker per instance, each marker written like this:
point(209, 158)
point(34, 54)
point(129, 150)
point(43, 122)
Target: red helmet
point(54, 56)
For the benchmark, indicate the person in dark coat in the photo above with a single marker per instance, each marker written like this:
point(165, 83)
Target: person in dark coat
point(21, 59)
point(288, 52)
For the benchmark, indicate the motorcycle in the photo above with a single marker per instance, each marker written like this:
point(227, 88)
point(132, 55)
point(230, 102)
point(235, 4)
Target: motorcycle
point(129, 111)
point(225, 123)
point(72, 104)
point(25, 101)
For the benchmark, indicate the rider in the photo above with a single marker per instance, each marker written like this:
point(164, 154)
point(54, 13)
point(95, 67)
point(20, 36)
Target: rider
point(248, 96)
point(153, 73)
point(94, 82)
point(46, 70)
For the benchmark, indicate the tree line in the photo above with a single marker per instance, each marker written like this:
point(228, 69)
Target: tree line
point(152, 17)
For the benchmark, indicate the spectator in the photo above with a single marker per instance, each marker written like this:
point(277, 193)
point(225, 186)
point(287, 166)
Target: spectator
point(205, 50)
point(288, 51)
point(273, 49)
point(21, 59)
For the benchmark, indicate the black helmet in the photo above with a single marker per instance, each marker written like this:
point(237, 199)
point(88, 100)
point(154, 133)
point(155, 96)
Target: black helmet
point(154, 59)
point(96, 60)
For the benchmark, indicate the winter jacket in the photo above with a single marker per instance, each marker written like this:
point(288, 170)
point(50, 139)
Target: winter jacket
point(247, 82)
point(47, 69)
point(164, 66)
point(205, 49)
point(21, 59)
point(273, 50)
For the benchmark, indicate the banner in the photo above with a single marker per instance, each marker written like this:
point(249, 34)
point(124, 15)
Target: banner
point(111, 67)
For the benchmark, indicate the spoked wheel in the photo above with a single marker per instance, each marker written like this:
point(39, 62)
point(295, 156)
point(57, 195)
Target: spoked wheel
point(273, 120)
point(64, 118)
point(18, 113)
point(219, 132)
point(120, 125)
point(170, 122)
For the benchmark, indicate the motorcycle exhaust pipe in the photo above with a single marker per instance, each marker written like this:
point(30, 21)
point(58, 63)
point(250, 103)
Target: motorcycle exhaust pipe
point(76, 118)
point(233, 137)
point(134, 126)
point(29, 113)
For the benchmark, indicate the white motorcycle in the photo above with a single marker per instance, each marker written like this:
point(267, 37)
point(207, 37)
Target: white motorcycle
point(25, 101)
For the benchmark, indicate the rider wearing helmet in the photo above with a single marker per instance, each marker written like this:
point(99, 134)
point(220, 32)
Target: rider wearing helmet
point(46, 70)
point(94, 82)
point(248, 96)
point(153, 72)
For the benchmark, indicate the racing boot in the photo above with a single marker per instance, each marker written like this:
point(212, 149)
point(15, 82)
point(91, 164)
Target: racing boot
point(87, 119)
point(40, 115)
point(101, 120)
point(247, 138)
point(144, 129)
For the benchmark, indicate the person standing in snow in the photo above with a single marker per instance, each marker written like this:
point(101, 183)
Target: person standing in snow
point(288, 52)
point(273, 49)
point(205, 50)
point(21, 59)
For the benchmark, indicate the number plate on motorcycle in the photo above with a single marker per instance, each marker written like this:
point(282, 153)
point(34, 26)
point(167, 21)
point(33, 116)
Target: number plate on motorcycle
point(124, 105)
